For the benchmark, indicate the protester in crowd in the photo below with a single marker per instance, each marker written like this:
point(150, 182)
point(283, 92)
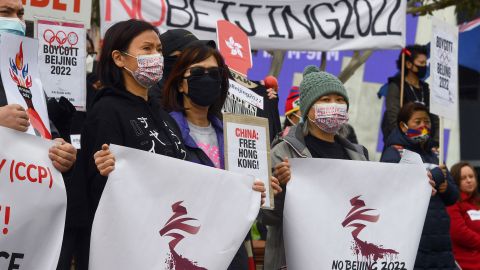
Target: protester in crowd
point(174, 42)
point(413, 133)
point(14, 116)
point(76, 236)
point(121, 113)
point(465, 217)
point(320, 94)
point(194, 93)
point(415, 89)
point(292, 108)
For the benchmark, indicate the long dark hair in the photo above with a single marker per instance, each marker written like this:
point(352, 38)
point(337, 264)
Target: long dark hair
point(197, 52)
point(456, 172)
point(118, 37)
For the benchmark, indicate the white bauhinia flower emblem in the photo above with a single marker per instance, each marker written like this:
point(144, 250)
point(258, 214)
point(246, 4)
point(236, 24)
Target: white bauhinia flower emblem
point(236, 48)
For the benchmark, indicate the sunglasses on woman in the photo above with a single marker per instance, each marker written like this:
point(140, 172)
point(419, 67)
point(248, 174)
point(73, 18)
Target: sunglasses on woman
point(213, 72)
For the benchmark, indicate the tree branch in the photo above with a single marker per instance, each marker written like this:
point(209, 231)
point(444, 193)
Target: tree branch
point(277, 62)
point(323, 63)
point(429, 8)
point(356, 61)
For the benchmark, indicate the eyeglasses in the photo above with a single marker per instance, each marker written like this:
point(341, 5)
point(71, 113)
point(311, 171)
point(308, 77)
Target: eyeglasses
point(213, 72)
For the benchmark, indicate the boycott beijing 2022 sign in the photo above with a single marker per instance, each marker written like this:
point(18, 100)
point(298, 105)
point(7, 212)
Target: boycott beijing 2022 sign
point(61, 60)
point(368, 215)
point(322, 25)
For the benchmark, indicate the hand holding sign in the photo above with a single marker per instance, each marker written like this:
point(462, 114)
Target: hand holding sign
point(15, 117)
point(282, 171)
point(63, 155)
point(105, 160)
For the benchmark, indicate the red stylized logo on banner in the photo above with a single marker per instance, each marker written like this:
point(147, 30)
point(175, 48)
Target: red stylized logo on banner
point(19, 73)
point(234, 45)
point(369, 251)
point(60, 38)
point(178, 222)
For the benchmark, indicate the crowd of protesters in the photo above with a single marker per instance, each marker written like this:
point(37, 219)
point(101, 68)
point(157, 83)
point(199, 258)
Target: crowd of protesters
point(174, 86)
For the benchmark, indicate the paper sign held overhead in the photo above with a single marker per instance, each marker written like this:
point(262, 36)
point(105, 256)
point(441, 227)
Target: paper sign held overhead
point(21, 80)
point(61, 61)
point(78, 10)
point(444, 70)
point(234, 45)
point(313, 25)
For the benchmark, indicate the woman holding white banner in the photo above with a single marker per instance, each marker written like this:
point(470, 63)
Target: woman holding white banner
point(413, 133)
point(194, 93)
point(324, 109)
point(121, 113)
point(465, 217)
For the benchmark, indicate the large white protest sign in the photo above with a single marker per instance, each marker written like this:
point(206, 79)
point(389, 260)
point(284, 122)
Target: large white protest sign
point(360, 215)
point(322, 25)
point(444, 69)
point(21, 80)
point(61, 61)
point(33, 203)
point(71, 10)
point(158, 212)
point(247, 148)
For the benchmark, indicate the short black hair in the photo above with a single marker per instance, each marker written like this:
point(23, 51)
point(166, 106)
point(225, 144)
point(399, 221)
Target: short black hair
point(415, 51)
point(408, 109)
point(118, 37)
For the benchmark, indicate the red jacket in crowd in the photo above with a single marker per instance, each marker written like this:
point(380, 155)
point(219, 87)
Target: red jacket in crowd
point(465, 232)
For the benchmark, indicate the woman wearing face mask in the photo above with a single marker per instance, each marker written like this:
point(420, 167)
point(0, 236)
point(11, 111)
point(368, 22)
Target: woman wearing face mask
point(121, 113)
point(194, 93)
point(324, 107)
point(465, 217)
point(415, 89)
point(412, 133)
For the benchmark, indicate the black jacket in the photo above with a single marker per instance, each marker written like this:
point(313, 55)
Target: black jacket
point(119, 117)
point(435, 249)
point(392, 106)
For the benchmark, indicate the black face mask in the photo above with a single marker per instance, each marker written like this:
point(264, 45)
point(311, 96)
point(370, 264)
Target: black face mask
point(422, 71)
point(168, 63)
point(203, 90)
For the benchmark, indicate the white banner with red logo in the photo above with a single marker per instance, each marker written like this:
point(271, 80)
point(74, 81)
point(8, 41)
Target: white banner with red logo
point(360, 215)
point(61, 61)
point(320, 25)
point(33, 203)
point(21, 80)
point(158, 212)
point(67, 10)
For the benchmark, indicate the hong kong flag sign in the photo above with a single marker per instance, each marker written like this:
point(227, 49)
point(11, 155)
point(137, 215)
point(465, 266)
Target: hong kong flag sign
point(162, 213)
point(234, 46)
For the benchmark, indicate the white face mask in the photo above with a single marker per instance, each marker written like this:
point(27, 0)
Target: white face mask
point(89, 63)
point(13, 26)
